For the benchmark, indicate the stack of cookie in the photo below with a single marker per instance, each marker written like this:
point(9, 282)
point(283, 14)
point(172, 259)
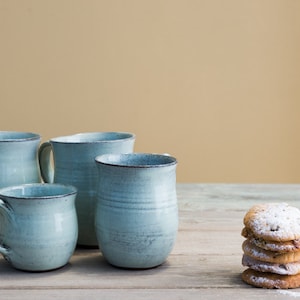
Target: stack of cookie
point(272, 246)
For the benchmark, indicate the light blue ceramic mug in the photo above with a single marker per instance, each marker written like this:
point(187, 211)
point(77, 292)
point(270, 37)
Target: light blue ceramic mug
point(136, 213)
point(74, 163)
point(38, 225)
point(18, 158)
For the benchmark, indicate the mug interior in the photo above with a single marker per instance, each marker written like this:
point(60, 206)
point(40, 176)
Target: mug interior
point(92, 137)
point(17, 136)
point(38, 190)
point(142, 160)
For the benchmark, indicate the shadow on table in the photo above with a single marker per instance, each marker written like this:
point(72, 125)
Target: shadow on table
point(7, 270)
point(83, 261)
point(93, 262)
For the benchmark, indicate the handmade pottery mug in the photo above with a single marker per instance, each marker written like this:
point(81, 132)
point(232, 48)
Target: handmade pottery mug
point(18, 158)
point(38, 225)
point(74, 163)
point(136, 212)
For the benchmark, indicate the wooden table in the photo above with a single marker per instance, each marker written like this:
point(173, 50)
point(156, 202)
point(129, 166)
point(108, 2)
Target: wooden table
point(204, 264)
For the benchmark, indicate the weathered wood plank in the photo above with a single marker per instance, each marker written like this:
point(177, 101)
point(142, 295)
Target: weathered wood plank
point(91, 271)
point(133, 294)
point(237, 197)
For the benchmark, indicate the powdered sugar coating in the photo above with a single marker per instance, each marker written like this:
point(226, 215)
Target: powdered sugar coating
point(269, 256)
point(270, 280)
point(274, 221)
point(262, 266)
point(287, 246)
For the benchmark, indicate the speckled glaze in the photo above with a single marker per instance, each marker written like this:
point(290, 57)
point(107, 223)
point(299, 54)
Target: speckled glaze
point(136, 213)
point(74, 163)
point(38, 225)
point(18, 158)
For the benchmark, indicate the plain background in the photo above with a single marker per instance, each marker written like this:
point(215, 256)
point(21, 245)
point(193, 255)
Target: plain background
point(215, 83)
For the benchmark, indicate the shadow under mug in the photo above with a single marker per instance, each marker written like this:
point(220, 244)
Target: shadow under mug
point(136, 213)
point(18, 158)
point(74, 163)
point(38, 225)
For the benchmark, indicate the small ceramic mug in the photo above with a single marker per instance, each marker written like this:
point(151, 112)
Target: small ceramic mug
point(18, 158)
point(74, 163)
point(136, 213)
point(38, 225)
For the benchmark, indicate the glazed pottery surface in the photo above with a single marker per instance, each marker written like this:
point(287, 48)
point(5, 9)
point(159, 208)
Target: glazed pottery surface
point(136, 213)
point(38, 225)
point(74, 163)
point(18, 158)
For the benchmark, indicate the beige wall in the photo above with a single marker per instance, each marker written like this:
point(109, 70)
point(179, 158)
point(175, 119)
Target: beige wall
point(216, 83)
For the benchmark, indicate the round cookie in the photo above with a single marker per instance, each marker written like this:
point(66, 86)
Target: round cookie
point(293, 245)
point(263, 266)
point(270, 280)
point(274, 222)
point(269, 256)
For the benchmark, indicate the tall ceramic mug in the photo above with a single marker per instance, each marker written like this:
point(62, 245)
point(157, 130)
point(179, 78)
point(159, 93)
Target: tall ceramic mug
point(38, 225)
point(74, 163)
point(136, 213)
point(18, 158)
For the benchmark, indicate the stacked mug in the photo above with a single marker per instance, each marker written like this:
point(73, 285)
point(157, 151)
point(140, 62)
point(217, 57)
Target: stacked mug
point(86, 189)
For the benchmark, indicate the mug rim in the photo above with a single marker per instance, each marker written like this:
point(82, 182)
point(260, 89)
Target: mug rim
point(138, 160)
point(6, 191)
point(27, 136)
point(75, 138)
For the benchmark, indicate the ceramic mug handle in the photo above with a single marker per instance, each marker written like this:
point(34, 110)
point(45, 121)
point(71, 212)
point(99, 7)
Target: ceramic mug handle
point(46, 167)
point(7, 213)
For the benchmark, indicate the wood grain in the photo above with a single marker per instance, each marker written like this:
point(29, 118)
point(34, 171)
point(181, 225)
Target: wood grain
point(204, 264)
